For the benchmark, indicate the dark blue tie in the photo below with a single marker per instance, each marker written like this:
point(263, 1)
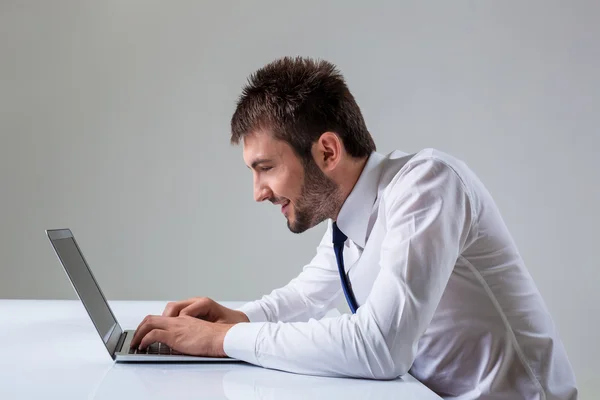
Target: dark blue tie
point(338, 247)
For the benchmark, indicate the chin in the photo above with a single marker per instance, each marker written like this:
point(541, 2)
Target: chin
point(294, 227)
point(299, 221)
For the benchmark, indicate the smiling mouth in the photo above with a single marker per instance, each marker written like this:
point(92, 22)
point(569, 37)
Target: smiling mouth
point(284, 206)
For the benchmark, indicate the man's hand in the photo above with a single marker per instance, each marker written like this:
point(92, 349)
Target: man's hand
point(185, 334)
point(206, 309)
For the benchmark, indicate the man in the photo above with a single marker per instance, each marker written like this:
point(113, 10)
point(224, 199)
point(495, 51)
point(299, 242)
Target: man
point(415, 244)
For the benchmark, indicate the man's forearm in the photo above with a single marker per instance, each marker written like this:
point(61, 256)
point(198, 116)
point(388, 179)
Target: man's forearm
point(340, 347)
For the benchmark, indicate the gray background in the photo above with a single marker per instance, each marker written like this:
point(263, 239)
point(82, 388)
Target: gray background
point(114, 122)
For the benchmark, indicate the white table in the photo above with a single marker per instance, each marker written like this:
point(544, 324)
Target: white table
point(51, 350)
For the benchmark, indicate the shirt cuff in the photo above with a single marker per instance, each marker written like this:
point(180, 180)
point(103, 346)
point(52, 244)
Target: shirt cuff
point(254, 312)
point(240, 341)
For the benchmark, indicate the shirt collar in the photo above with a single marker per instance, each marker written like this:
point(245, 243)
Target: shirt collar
point(353, 218)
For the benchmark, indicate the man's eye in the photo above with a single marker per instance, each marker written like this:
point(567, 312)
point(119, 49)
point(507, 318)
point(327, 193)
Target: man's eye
point(265, 169)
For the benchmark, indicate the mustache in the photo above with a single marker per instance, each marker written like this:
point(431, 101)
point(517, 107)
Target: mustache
point(275, 200)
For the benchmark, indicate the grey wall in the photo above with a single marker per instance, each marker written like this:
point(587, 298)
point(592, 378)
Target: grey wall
point(114, 122)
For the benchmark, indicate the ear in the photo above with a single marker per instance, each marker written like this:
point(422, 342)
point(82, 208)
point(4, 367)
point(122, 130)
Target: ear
point(328, 151)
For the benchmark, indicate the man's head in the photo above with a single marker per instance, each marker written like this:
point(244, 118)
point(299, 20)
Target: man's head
point(304, 138)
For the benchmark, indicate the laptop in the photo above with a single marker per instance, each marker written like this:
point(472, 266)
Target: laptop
point(116, 340)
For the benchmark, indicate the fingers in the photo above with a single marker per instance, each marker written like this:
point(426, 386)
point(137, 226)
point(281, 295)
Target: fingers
point(199, 308)
point(149, 323)
point(174, 307)
point(156, 335)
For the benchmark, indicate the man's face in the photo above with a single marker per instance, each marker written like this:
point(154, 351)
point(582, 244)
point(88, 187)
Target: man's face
point(304, 193)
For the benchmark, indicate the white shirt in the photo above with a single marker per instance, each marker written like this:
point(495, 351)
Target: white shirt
point(443, 293)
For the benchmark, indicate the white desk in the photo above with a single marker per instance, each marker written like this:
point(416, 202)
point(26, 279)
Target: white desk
point(50, 350)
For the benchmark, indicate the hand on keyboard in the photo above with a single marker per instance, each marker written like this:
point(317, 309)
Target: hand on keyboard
point(156, 348)
point(185, 334)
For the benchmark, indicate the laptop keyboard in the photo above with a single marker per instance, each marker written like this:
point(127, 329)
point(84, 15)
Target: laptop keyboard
point(156, 348)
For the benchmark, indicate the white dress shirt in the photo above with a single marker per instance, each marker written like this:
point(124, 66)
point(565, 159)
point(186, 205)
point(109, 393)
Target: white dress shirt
point(443, 293)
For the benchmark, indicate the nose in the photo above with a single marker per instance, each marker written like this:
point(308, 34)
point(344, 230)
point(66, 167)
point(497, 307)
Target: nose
point(261, 192)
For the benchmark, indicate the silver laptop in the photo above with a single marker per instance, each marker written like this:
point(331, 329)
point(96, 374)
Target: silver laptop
point(116, 340)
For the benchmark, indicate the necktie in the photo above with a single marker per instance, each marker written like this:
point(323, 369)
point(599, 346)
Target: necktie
point(338, 247)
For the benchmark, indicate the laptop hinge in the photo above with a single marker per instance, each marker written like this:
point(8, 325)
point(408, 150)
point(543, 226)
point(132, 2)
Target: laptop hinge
point(119, 346)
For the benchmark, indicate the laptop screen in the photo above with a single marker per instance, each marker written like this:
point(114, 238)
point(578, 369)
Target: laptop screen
point(85, 284)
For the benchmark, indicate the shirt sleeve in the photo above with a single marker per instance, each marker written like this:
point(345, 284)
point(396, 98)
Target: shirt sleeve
point(427, 216)
point(310, 295)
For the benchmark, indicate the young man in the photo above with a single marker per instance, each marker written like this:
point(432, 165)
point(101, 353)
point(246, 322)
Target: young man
point(415, 243)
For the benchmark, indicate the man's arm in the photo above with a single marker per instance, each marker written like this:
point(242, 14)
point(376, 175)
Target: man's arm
point(198, 326)
point(428, 218)
point(309, 295)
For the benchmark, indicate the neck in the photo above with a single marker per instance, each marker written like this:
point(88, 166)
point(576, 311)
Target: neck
point(348, 176)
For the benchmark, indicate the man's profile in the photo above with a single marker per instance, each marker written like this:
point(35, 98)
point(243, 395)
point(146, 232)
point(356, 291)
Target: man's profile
point(414, 243)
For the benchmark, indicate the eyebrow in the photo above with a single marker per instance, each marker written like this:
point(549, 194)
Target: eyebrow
point(259, 161)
